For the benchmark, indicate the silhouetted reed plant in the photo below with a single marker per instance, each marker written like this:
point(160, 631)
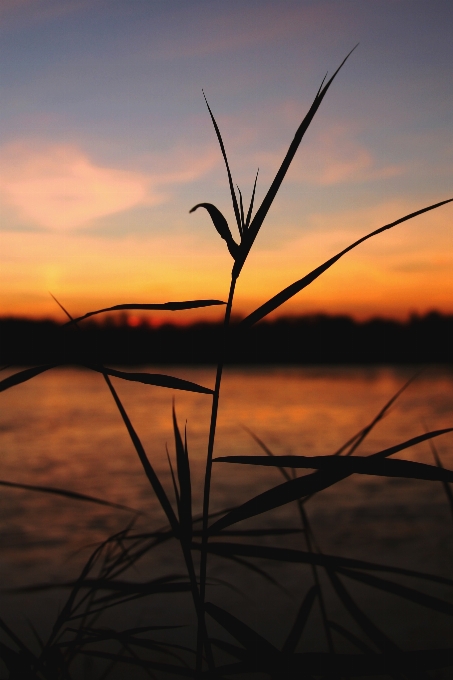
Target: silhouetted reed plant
point(103, 582)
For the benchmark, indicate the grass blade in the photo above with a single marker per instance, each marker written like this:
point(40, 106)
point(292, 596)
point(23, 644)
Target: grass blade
point(379, 638)
point(67, 494)
point(303, 486)
point(149, 470)
point(352, 465)
point(445, 484)
point(332, 562)
point(287, 293)
point(158, 379)
point(301, 619)
point(170, 306)
point(403, 591)
point(350, 637)
point(246, 636)
point(23, 376)
point(221, 225)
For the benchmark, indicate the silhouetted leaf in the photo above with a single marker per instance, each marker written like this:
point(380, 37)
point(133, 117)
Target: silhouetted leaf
point(403, 591)
point(67, 494)
point(247, 637)
point(353, 639)
point(23, 376)
point(380, 639)
point(230, 179)
point(157, 379)
point(170, 306)
point(149, 470)
point(352, 465)
point(287, 293)
point(221, 225)
point(303, 486)
point(304, 557)
point(445, 484)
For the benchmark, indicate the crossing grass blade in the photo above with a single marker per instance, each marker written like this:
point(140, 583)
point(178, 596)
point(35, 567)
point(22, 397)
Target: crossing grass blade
point(403, 591)
point(23, 376)
point(350, 637)
point(303, 486)
point(352, 465)
point(221, 225)
point(332, 562)
point(287, 293)
point(73, 495)
point(246, 636)
point(169, 306)
point(158, 379)
point(301, 619)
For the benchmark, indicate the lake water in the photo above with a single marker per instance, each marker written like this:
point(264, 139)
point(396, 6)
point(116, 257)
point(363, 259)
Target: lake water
point(62, 429)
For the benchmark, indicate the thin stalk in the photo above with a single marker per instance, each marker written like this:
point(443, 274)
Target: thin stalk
point(208, 473)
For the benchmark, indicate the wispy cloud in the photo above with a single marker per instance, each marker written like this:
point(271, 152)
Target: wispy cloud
point(334, 156)
point(60, 187)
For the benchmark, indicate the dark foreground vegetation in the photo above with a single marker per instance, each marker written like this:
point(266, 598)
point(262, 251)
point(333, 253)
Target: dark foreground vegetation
point(223, 643)
point(319, 339)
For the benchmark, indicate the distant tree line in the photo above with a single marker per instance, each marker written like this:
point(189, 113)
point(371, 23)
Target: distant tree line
point(318, 339)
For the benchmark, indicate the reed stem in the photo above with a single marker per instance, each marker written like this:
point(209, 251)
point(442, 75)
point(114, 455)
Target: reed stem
point(208, 472)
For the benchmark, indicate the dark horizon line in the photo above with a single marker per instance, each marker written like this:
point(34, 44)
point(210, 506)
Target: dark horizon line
point(310, 339)
point(123, 318)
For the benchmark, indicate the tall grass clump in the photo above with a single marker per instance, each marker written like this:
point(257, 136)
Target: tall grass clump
point(81, 628)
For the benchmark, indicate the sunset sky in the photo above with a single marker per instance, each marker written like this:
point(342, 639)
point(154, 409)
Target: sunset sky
point(106, 144)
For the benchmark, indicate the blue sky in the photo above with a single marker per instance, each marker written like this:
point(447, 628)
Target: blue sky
point(106, 143)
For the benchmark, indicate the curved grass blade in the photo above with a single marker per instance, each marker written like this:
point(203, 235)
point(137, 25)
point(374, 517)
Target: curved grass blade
point(262, 211)
point(332, 562)
point(445, 484)
point(352, 465)
point(158, 379)
point(230, 179)
point(303, 486)
point(74, 495)
point(221, 225)
point(301, 619)
point(23, 376)
point(170, 306)
point(287, 293)
point(403, 591)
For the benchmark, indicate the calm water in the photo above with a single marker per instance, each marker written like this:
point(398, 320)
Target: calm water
point(62, 429)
